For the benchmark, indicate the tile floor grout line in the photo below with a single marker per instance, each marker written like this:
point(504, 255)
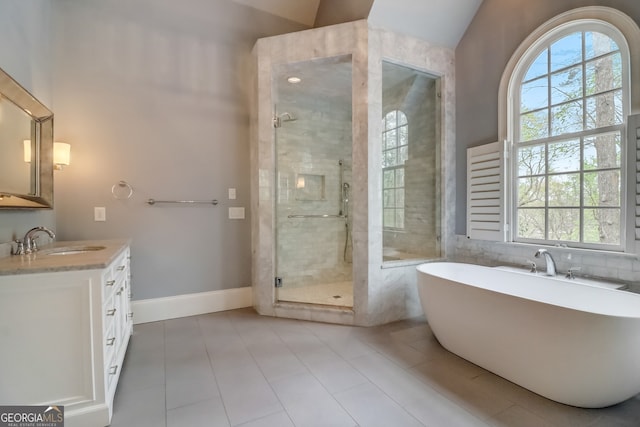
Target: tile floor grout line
point(213, 372)
point(310, 372)
point(370, 380)
point(461, 394)
point(403, 406)
point(233, 325)
point(164, 363)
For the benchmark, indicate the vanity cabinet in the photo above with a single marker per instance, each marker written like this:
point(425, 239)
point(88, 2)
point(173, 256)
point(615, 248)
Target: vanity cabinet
point(117, 321)
point(63, 338)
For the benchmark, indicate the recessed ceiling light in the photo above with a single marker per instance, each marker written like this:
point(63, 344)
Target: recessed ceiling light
point(294, 79)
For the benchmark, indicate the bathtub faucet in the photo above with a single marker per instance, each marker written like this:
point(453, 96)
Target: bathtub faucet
point(551, 265)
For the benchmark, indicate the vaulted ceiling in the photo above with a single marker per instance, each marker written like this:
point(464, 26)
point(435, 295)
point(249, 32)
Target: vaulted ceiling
point(441, 22)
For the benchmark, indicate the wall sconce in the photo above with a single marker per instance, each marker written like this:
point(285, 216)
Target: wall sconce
point(61, 154)
point(27, 150)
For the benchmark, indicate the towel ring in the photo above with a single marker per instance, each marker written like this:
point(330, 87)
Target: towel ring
point(122, 190)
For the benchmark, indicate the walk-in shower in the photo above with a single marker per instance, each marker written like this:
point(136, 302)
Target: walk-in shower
point(313, 158)
point(348, 165)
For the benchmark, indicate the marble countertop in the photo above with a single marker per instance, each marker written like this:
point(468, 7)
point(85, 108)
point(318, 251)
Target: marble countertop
point(43, 262)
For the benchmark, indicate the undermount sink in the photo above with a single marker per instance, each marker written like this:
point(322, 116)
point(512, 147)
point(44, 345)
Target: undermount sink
point(72, 250)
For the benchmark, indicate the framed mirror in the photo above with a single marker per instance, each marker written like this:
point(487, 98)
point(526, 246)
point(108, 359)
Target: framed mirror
point(26, 148)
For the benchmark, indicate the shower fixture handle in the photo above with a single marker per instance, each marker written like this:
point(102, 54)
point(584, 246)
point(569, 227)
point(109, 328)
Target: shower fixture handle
point(278, 119)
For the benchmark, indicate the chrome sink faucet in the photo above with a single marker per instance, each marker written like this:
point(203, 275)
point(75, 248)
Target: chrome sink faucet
point(28, 243)
point(551, 265)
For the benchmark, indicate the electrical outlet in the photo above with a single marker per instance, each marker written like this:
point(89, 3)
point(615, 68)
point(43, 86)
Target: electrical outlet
point(99, 214)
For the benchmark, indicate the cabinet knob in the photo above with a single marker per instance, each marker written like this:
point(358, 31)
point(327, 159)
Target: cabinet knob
point(111, 341)
point(121, 267)
point(111, 312)
point(120, 291)
point(130, 315)
point(110, 282)
point(113, 370)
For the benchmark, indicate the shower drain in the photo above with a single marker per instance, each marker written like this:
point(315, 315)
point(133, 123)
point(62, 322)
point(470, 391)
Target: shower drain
point(337, 296)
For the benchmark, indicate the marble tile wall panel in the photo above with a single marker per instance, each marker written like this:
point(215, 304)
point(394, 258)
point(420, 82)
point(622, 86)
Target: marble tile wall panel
point(385, 285)
point(599, 264)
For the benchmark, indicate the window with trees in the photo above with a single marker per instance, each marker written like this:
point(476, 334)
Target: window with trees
point(395, 151)
point(568, 115)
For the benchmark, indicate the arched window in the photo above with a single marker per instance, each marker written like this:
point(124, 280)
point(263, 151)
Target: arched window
point(569, 96)
point(395, 151)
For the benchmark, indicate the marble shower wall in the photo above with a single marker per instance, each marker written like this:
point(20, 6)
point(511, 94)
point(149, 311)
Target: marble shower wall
point(271, 54)
point(391, 289)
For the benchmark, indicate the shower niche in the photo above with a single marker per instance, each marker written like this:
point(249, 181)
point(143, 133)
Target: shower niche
point(349, 133)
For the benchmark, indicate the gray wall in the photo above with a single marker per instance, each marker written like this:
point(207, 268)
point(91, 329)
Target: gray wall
point(25, 34)
point(481, 56)
point(155, 93)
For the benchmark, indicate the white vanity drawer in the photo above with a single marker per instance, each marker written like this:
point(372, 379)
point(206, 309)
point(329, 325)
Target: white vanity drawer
point(117, 272)
point(108, 284)
point(112, 370)
point(110, 340)
point(109, 313)
point(121, 264)
point(110, 353)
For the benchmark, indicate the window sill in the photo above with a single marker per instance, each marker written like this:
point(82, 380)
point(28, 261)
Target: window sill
point(577, 251)
point(407, 262)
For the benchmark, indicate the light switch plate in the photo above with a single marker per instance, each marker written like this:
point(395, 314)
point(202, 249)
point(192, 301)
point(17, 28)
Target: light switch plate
point(99, 214)
point(232, 194)
point(236, 213)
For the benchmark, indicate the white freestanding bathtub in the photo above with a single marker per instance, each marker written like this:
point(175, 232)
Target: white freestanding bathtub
point(572, 343)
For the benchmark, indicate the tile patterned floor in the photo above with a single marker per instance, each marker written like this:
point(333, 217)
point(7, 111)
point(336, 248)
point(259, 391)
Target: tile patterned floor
point(239, 369)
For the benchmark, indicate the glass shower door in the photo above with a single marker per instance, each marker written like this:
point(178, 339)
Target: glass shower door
point(410, 164)
point(312, 124)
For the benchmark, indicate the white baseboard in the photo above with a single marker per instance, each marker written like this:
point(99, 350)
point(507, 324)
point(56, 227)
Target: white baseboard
point(155, 309)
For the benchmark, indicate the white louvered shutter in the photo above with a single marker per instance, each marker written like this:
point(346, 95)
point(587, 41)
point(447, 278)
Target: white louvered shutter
point(485, 192)
point(633, 126)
